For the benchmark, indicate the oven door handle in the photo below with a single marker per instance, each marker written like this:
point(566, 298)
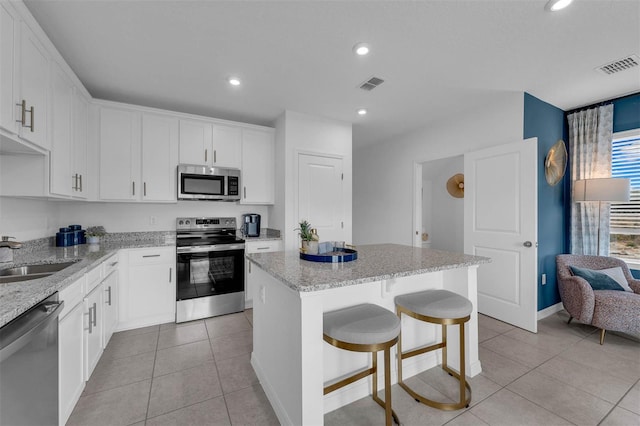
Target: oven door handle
point(215, 247)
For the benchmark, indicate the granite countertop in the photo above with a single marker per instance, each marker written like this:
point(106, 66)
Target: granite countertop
point(18, 297)
point(375, 262)
point(266, 234)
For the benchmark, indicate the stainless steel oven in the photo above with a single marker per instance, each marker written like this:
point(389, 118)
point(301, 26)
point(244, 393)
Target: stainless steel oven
point(209, 266)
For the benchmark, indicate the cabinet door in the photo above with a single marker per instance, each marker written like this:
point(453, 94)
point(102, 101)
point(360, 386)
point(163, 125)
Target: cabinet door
point(227, 146)
point(94, 329)
point(80, 143)
point(196, 142)
point(159, 157)
point(256, 247)
point(61, 180)
point(34, 83)
point(9, 25)
point(257, 167)
point(70, 361)
point(110, 296)
point(119, 155)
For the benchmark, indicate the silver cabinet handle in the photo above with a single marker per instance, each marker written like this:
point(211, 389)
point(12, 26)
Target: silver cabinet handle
point(170, 273)
point(95, 315)
point(215, 157)
point(151, 255)
point(113, 264)
point(205, 155)
point(75, 182)
point(80, 183)
point(23, 114)
point(527, 244)
point(249, 266)
point(262, 248)
point(144, 188)
point(245, 192)
point(133, 186)
point(90, 323)
point(109, 293)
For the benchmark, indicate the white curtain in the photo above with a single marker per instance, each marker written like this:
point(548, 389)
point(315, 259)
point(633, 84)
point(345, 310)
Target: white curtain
point(590, 135)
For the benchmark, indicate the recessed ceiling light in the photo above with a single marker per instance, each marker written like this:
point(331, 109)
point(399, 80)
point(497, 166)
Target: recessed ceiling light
point(361, 49)
point(555, 5)
point(234, 81)
point(362, 111)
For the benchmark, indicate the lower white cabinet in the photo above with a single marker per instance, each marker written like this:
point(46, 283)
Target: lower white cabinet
point(249, 281)
point(148, 289)
point(71, 374)
point(94, 328)
point(110, 299)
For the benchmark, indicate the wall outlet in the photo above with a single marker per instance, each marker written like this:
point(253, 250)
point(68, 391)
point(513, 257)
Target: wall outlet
point(544, 279)
point(152, 220)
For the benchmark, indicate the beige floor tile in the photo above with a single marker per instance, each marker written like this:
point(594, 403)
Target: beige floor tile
point(249, 314)
point(136, 331)
point(549, 343)
point(236, 373)
point(500, 369)
point(183, 388)
point(621, 417)
point(485, 334)
point(489, 323)
point(631, 400)
point(227, 325)
point(172, 325)
point(210, 412)
point(410, 412)
point(524, 353)
point(593, 355)
point(507, 408)
point(250, 406)
point(182, 357)
point(466, 419)
point(131, 344)
point(120, 406)
point(556, 325)
point(618, 345)
point(561, 399)
point(116, 372)
point(481, 386)
point(596, 382)
point(180, 335)
point(231, 345)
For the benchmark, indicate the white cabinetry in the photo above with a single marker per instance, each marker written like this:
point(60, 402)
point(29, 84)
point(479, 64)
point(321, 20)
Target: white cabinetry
point(110, 288)
point(9, 32)
point(147, 290)
point(94, 329)
point(209, 144)
point(257, 167)
point(159, 157)
point(80, 144)
point(71, 374)
point(61, 157)
point(249, 280)
point(34, 85)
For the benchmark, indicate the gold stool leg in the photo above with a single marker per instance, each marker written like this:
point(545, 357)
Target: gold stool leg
point(463, 362)
point(386, 404)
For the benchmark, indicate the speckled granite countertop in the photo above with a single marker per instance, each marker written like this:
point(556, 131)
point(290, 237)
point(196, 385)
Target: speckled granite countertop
point(266, 234)
point(17, 298)
point(375, 262)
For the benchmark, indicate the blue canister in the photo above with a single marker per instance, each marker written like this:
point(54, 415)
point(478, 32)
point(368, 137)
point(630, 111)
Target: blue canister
point(64, 238)
point(78, 234)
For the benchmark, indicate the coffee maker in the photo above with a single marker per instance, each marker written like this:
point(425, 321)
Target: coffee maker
point(251, 225)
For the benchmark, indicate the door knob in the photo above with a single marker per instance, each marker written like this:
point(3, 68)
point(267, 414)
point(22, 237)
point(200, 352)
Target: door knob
point(527, 244)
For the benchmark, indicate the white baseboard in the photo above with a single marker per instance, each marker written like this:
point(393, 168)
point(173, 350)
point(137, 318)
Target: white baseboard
point(546, 312)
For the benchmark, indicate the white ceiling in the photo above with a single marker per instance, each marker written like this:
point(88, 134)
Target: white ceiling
point(437, 58)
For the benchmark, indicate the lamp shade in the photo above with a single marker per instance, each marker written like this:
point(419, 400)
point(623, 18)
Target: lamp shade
point(604, 189)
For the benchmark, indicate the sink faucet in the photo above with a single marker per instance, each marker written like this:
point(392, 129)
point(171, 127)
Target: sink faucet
point(7, 247)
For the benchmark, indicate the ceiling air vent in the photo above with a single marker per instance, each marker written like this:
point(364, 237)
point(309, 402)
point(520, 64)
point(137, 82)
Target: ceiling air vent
point(619, 65)
point(371, 84)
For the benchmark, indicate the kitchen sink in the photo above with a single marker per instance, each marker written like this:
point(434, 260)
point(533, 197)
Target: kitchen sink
point(31, 272)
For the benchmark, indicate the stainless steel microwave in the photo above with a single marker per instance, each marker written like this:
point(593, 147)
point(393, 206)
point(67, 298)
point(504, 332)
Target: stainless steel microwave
point(197, 182)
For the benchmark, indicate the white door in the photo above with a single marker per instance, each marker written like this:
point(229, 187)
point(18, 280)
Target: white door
point(501, 222)
point(320, 195)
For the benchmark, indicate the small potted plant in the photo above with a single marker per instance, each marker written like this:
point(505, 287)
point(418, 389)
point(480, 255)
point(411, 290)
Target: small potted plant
point(309, 237)
point(93, 234)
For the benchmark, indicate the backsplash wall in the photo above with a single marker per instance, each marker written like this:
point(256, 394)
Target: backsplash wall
point(28, 219)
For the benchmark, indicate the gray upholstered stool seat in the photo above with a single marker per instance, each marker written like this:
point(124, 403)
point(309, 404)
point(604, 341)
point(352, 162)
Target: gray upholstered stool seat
point(364, 324)
point(436, 304)
point(438, 307)
point(365, 328)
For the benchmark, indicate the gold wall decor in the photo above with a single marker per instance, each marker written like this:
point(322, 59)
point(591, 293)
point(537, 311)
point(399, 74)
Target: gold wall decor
point(455, 185)
point(556, 163)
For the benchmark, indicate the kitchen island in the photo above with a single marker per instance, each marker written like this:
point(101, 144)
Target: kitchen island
point(290, 296)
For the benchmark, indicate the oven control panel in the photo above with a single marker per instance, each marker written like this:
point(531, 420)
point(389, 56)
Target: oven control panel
point(193, 223)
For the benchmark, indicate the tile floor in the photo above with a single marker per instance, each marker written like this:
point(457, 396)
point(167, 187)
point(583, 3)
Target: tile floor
point(198, 373)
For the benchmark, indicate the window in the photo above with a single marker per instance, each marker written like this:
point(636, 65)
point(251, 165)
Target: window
point(625, 217)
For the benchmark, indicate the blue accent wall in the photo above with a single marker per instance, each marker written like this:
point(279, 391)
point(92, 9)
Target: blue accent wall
point(626, 113)
point(547, 123)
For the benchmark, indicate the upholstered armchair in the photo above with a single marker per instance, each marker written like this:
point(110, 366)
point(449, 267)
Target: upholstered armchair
point(606, 309)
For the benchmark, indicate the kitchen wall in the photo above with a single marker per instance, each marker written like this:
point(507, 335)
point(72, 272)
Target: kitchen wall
point(383, 174)
point(28, 219)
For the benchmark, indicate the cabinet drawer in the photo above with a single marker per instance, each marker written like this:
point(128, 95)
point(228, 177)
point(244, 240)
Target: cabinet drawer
point(263, 246)
point(110, 265)
point(94, 277)
point(72, 295)
point(152, 256)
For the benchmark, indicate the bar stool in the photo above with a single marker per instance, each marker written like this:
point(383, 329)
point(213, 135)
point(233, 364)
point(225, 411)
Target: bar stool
point(365, 328)
point(436, 307)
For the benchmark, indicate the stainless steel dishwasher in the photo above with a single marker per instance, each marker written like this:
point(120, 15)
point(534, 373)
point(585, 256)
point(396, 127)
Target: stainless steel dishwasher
point(29, 366)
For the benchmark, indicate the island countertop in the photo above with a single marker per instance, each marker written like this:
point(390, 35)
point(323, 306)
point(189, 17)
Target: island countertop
point(375, 262)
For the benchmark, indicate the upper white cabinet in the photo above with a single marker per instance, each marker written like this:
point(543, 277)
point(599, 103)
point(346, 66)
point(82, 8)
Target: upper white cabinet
point(33, 94)
point(257, 167)
point(209, 144)
point(119, 154)
point(159, 157)
point(80, 123)
point(9, 36)
point(61, 157)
